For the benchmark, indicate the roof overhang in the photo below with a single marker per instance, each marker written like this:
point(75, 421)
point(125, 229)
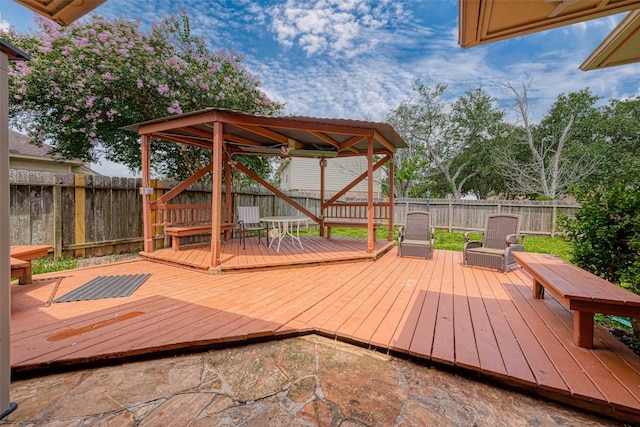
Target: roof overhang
point(64, 12)
point(620, 47)
point(486, 21)
point(12, 52)
point(287, 136)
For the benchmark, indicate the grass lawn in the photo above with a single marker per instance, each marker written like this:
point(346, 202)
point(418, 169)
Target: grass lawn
point(454, 241)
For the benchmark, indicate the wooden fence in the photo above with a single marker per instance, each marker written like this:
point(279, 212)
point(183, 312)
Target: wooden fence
point(86, 215)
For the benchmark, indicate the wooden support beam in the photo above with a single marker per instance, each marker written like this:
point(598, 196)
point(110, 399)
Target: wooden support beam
point(183, 185)
point(355, 182)
point(331, 141)
point(182, 140)
point(275, 191)
point(323, 166)
point(349, 143)
point(267, 133)
point(383, 141)
point(371, 238)
point(216, 195)
point(391, 198)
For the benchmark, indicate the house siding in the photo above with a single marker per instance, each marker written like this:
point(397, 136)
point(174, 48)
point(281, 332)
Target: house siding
point(303, 174)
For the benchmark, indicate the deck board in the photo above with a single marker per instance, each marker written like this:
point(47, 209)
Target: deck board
point(468, 317)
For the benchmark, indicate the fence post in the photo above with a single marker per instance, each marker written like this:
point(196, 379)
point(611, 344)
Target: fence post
point(80, 217)
point(554, 219)
point(57, 220)
point(450, 220)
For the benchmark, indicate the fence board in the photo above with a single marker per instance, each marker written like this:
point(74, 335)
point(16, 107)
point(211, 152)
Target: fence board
point(113, 210)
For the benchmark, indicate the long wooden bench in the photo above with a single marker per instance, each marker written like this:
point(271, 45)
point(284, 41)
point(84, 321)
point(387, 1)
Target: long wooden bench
point(191, 230)
point(578, 290)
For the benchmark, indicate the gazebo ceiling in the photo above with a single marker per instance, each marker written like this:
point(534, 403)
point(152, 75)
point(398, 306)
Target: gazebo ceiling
point(486, 21)
point(295, 136)
point(64, 12)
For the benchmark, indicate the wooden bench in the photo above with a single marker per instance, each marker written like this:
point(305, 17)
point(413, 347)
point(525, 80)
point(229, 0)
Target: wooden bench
point(25, 254)
point(354, 224)
point(19, 268)
point(191, 230)
point(578, 290)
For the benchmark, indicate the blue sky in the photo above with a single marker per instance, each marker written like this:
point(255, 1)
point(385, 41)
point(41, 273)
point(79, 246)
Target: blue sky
point(358, 59)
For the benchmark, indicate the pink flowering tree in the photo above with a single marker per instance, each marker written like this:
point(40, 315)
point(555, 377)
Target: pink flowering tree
point(88, 80)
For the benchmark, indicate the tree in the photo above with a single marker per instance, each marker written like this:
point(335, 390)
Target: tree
point(86, 81)
point(446, 133)
point(561, 150)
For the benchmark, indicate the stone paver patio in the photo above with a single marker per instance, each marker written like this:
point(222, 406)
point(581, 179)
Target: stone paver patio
point(306, 381)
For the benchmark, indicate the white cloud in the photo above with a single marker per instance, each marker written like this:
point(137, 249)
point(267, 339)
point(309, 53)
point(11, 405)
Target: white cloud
point(4, 24)
point(333, 27)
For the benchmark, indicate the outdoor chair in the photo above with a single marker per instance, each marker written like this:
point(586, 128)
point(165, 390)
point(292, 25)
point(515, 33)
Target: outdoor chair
point(501, 237)
point(416, 237)
point(249, 220)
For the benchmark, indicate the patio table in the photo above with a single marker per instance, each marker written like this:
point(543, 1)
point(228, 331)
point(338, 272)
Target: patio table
point(285, 226)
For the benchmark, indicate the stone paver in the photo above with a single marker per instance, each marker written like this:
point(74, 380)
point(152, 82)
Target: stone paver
point(307, 381)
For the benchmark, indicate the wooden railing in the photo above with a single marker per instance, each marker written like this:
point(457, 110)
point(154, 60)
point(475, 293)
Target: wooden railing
point(355, 212)
point(180, 215)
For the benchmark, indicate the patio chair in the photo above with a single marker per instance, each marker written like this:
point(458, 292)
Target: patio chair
point(416, 237)
point(249, 220)
point(501, 237)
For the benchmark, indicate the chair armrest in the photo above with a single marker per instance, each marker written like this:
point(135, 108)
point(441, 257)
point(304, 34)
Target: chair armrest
point(472, 244)
point(468, 239)
point(515, 239)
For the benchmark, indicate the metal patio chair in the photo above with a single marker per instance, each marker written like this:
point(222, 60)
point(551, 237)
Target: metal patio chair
point(501, 237)
point(416, 237)
point(249, 220)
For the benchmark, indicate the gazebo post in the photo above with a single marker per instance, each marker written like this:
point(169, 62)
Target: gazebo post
point(323, 165)
point(146, 185)
point(227, 195)
point(370, 236)
point(392, 161)
point(216, 194)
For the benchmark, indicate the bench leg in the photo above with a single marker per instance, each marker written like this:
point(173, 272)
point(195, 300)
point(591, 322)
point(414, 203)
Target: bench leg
point(583, 329)
point(538, 290)
point(175, 243)
point(25, 279)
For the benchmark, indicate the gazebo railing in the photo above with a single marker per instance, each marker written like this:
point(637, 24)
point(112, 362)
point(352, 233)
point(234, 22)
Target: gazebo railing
point(355, 212)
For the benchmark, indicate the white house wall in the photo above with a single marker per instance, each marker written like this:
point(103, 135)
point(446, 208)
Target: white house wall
point(303, 174)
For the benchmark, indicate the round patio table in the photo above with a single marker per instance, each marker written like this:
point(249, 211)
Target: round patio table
point(285, 226)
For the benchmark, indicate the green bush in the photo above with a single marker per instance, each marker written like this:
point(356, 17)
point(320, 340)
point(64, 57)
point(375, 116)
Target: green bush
point(606, 233)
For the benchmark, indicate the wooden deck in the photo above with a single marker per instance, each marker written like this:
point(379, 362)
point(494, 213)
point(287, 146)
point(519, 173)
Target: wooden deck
point(478, 321)
point(316, 250)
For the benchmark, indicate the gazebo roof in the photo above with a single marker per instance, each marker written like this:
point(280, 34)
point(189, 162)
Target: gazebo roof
point(296, 136)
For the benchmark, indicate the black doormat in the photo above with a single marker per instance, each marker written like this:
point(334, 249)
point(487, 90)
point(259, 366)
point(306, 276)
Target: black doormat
point(106, 287)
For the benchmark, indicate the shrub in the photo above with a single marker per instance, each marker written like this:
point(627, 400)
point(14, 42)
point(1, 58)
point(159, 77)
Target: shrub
point(606, 232)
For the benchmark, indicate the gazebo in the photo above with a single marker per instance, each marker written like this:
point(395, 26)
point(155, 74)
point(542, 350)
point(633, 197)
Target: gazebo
point(229, 134)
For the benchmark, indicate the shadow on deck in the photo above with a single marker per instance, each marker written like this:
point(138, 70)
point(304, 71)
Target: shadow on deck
point(476, 321)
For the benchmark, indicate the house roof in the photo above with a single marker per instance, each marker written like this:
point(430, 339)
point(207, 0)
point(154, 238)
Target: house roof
point(12, 52)
point(19, 146)
point(64, 12)
point(486, 21)
point(296, 136)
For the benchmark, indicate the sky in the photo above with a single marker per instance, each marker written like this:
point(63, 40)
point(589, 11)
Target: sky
point(359, 59)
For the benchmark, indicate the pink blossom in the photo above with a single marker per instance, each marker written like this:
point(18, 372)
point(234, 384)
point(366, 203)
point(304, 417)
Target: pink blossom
point(65, 118)
point(163, 90)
